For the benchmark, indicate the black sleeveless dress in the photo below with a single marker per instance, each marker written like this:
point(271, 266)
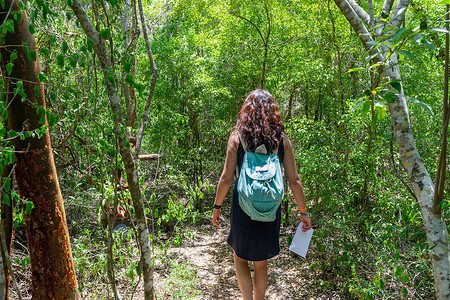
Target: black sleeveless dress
point(253, 240)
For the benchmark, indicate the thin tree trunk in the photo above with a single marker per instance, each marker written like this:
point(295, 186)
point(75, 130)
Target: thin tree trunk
point(130, 168)
point(145, 114)
point(7, 222)
point(440, 176)
point(436, 230)
point(53, 272)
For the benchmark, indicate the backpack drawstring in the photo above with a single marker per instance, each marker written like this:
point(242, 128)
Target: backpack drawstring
point(266, 182)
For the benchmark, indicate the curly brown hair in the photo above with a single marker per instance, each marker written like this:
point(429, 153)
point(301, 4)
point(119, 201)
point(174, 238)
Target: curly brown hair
point(259, 121)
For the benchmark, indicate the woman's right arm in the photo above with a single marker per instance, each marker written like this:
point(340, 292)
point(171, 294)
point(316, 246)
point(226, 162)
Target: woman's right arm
point(227, 175)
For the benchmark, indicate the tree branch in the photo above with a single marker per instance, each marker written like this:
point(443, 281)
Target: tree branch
point(357, 24)
point(387, 6)
point(396, 19)
point(145, 114)
point(360, 11)
point(253, 24)
point(371, 14)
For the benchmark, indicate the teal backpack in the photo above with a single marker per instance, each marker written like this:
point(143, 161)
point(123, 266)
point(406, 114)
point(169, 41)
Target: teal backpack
point(260, 186)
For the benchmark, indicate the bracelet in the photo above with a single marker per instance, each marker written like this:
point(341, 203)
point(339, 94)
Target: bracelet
point(302, 209)
point(217, 206)
point(305, 214)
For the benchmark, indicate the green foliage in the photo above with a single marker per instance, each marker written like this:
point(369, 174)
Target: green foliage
point(180, 283)
point(208, 60)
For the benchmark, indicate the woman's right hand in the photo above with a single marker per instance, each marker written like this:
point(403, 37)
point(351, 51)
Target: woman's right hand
point(215, 217)
point(306, 221)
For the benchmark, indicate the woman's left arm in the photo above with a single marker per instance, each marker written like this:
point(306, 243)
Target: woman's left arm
point(227, 176)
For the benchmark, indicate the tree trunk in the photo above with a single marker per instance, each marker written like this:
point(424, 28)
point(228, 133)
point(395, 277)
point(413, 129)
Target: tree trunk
point(436, 230)
point(53, 272)
point(130, 168)
point(7, 221)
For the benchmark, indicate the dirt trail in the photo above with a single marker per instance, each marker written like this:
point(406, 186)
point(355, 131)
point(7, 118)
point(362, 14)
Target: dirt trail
point(289, 275)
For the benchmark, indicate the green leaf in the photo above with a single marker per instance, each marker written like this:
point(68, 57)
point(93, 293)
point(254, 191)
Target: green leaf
point(398, 271)
point(31, 55)
point(28, 207)
point(65, 47)
point(110, 78)
point(366, 107)
point(41, 110)
point(7, 186)
point(359, 102)
point(52, 119)
point(73, 62)
point(289, 239)
point(12, 133)
point(60, 59)
point(2, 3)
point(10, 157)
point(396, 85)
point(106, 34)
point(69, 2)
point(356, 70)
point(129, 79)
point(42, 77)
point(420, 103)
point(9, 26)
point(430, 45)
point(378, 103)
point(418, 37)
point(6, 200)
point(401, 34)
point(45, 51)
point(443, 30)
point(127, 67)
point(14, 196)
point(406, 54)
point(389, 96)
point(445, 1)
point(17, 16)
point(9, 68)
point(369, 58)
point(380, 113)
point(13, 56)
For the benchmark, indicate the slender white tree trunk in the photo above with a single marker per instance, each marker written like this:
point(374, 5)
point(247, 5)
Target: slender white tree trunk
point(436, 230)
point(119, 129)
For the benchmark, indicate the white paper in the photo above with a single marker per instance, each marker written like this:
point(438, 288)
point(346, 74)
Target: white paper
point(301, 240)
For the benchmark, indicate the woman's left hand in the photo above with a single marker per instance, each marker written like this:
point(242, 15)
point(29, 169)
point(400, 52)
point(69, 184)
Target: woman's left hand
point(215, 217)
point(306, 221)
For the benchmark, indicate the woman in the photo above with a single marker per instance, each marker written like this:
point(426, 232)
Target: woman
point(259, 123)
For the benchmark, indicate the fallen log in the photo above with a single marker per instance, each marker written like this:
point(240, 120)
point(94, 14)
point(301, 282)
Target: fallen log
point(150, 156)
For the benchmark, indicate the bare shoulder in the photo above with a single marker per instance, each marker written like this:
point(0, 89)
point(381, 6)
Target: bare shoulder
point(233, 141)
point(286, 142)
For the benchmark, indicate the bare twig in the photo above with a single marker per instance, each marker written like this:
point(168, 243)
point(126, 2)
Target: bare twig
point(9, 176)
point(7, 15)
